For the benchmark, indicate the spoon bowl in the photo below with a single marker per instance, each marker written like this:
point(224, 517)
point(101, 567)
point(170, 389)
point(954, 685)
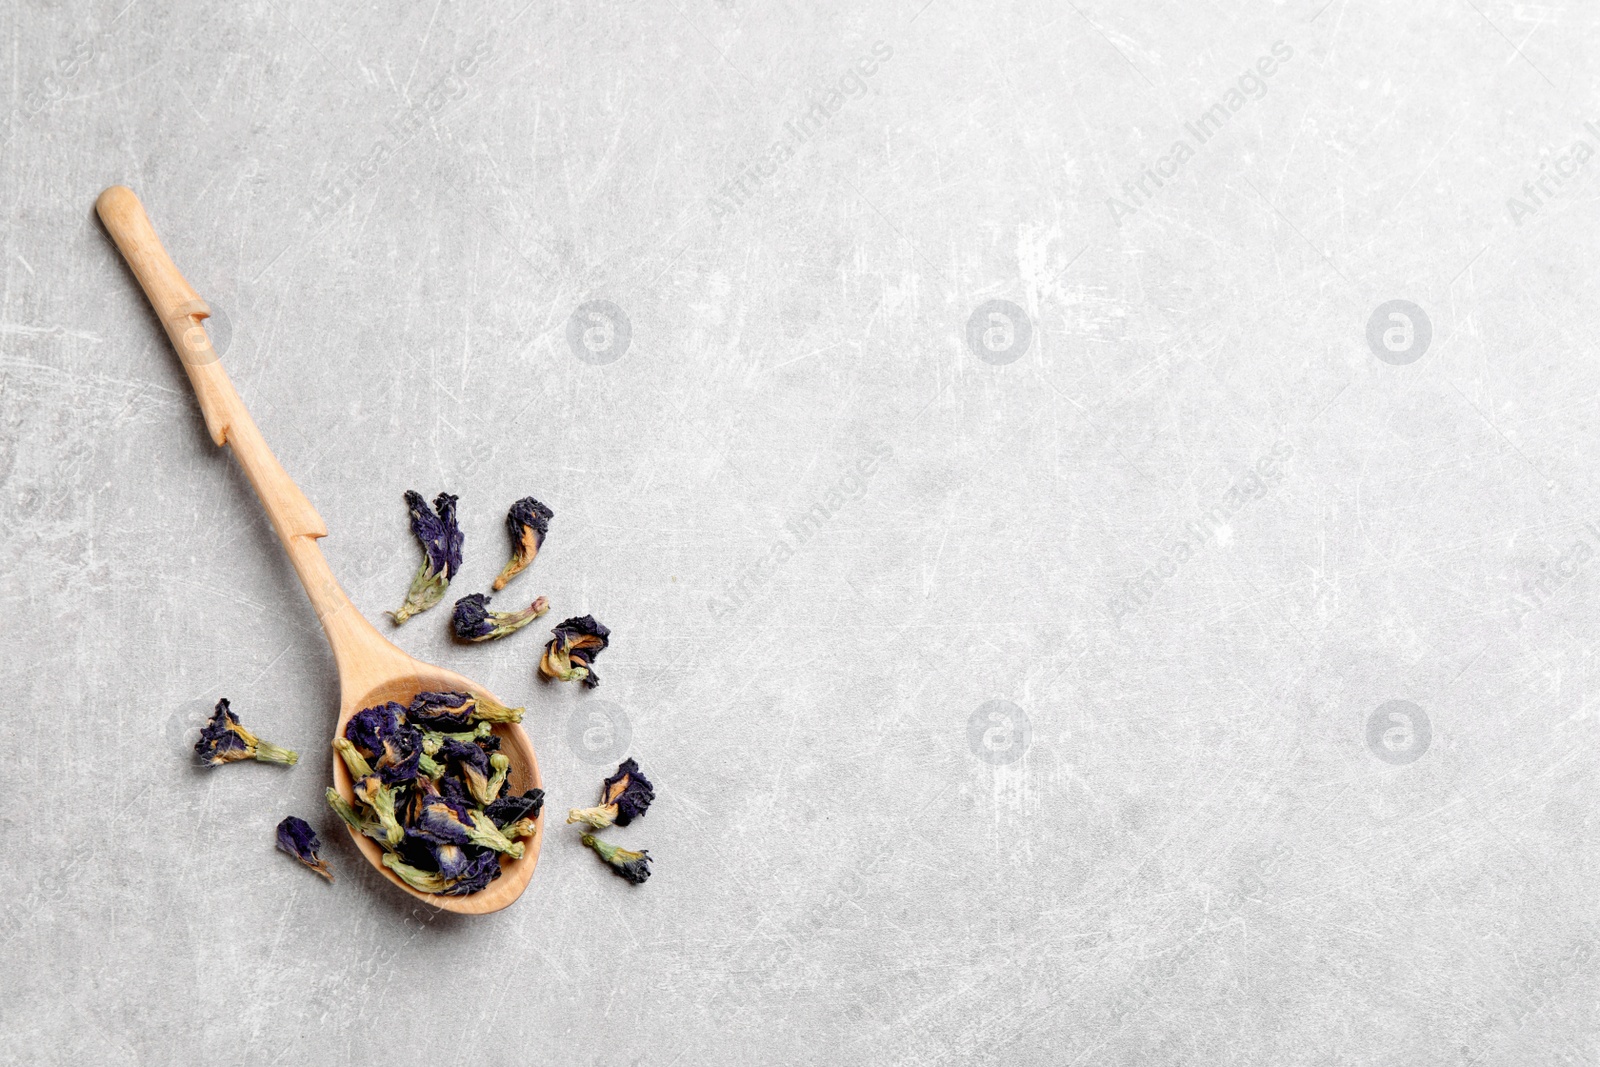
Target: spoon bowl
point(523, 775)
point(371, 669)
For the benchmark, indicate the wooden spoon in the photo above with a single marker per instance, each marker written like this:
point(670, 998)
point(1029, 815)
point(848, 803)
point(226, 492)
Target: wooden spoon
point(371, 670)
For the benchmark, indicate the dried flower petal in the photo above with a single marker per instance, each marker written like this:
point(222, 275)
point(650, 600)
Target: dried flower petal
point(634, 866)
point(457, 711)
point(624, 797)
point(527, 523)
point(477, 873)
point(471, 764)
point(569, 655)
point(452, 787)
point(441, 540)
point(441, 711)
point(298, 839)
point(382, 735)
point(510, 809)
point(452, 860)
point(473, 621)
point(223, 740)
point(443, 821)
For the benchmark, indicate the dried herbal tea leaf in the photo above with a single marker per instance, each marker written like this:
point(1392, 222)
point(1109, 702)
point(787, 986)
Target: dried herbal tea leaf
point(634, 866)
point(569, 655)
point(224, 740)
point(527, 522)
point(439, 534)
point(298, 839)
point(474, 621)
point(624, 797)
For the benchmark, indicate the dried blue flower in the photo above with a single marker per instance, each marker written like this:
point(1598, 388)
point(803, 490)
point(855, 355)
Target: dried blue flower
point(443, 821)
point(569, 656)
point(223, 740)
point(382, 735)
point(480, 870)
point(483, 773)
point(477, 872)
point(455, 789)
point(469, 763)
point(510, 809)
point(634, 866)
point(527, 522)
point(473, 621)
point(451, 860)
point(298, 839)
point(440, 537)
point(624, 797)
point(440, 712)
point(370, 790)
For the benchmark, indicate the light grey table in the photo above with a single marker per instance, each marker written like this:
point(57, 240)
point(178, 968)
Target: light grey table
point(1072, 614)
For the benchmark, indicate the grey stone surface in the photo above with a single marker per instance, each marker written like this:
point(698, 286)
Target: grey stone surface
point(1165, 674)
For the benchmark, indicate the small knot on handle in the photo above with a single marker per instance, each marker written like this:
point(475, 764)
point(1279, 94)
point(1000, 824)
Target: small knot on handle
point(189, 338)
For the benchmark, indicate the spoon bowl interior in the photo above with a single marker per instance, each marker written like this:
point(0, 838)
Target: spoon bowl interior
point(523, 775)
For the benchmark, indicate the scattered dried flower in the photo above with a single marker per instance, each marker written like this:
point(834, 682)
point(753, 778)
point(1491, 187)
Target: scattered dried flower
point(569, 655)
point(527, 522)
point(440, 537)
point(223, 740)
point(298, 839)
point(624, 797)
point(634, 866)
point(473, 621)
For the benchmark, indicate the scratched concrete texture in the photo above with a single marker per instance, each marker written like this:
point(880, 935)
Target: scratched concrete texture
point(1097, 506)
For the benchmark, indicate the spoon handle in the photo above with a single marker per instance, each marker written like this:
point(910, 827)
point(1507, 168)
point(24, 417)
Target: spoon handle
point(297, 523)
